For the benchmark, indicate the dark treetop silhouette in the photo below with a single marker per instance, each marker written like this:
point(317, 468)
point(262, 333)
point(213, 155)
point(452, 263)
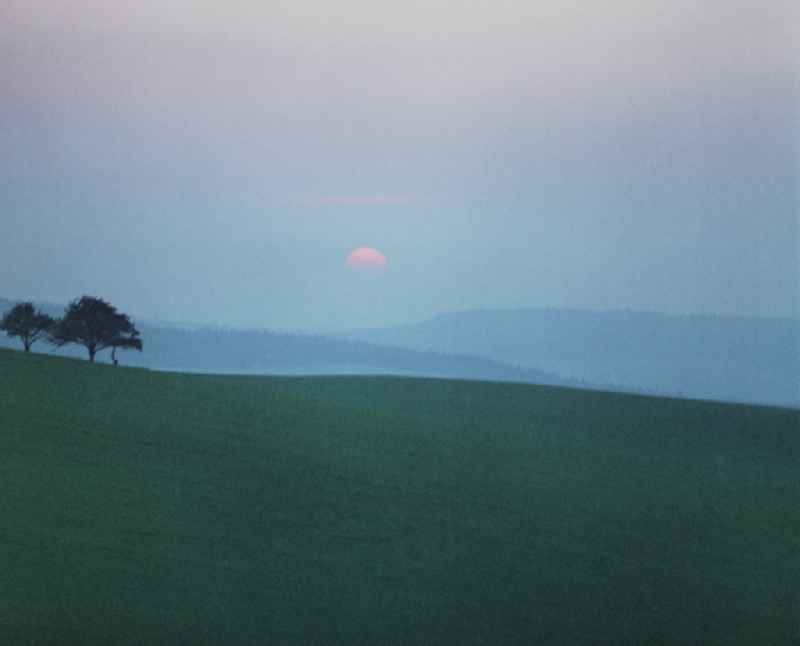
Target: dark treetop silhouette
point(26, 322)
point(96, 325)
point(125, 343)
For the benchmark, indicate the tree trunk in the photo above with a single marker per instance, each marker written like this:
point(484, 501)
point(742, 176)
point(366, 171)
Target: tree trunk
point(27, 345)
point(92, 352)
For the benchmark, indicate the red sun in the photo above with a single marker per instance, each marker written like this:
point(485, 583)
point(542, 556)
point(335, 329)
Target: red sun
point(365, 259)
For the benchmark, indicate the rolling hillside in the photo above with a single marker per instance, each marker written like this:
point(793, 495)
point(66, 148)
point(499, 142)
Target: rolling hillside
point(142, 507)
point(709, 357)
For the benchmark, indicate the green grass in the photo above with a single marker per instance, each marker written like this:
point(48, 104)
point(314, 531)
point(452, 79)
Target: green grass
point(144, 508)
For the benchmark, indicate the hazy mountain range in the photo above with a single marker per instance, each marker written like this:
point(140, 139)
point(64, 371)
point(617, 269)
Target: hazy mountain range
point(715, 357)
point(197, 348)
point(709, 357)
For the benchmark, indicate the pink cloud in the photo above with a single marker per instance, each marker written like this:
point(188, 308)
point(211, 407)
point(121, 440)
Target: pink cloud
point(360, 200)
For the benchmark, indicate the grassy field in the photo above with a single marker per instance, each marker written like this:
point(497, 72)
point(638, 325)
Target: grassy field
point(145, 508)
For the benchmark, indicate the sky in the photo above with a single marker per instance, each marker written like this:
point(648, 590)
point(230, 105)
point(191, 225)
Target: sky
point(216, 162)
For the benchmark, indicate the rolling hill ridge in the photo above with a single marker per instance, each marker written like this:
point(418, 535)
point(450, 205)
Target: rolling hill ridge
point(708, 357)
point(162, 508)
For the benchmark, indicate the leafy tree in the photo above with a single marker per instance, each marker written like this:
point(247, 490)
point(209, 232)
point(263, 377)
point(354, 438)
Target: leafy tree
point(26, 322)
point(96, 325)
point(132, 342)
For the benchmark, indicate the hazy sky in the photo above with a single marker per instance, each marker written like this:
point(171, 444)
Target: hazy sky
point(216, 161)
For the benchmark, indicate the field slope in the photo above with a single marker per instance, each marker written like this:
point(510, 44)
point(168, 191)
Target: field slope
point(145, 508)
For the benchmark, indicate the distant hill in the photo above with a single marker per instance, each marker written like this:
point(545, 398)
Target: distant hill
point(223, 350)
point(715, 357)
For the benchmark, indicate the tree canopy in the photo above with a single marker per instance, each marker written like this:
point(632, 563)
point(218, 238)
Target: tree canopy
point(96, 325)
point(26, 322)
point(131, 342)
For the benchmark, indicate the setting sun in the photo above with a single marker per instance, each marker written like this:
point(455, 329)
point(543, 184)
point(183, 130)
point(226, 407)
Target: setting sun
point(366, 259)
